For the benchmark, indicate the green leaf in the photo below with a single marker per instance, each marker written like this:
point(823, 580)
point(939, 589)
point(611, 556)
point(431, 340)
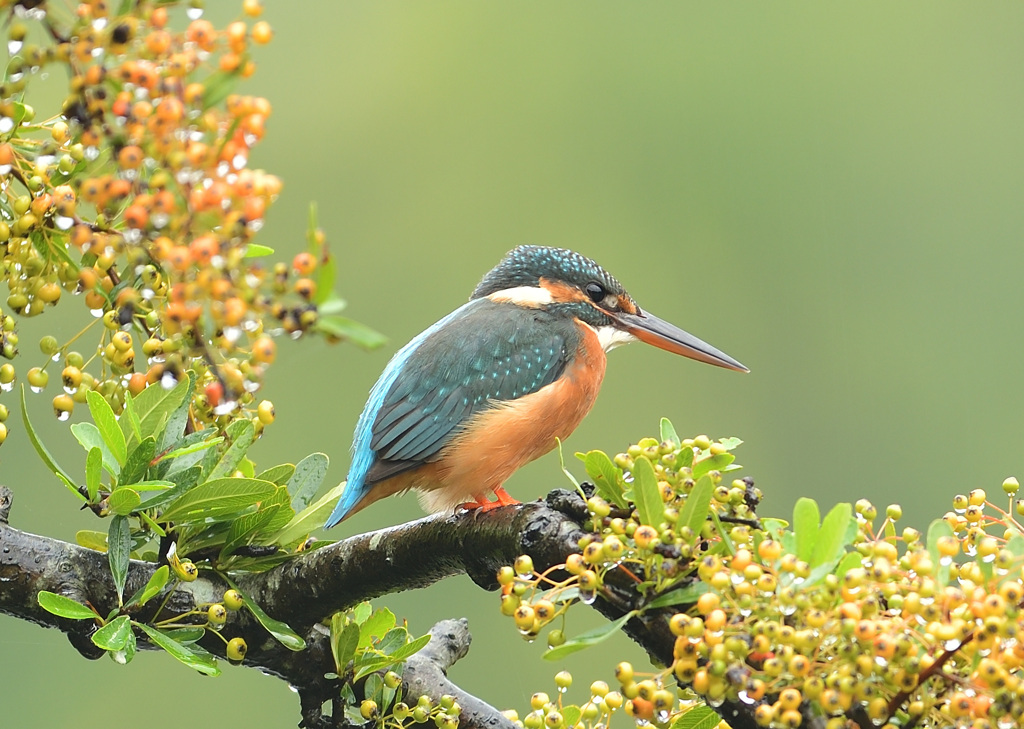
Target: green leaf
point(119, 548)
point(668, 433)
point(114, 635)
point(93, 472)
point(806, 519)
point(309, 474)
point(362, 612)
point(64, 607)
point(217, 86)
point(325, 280)
point(137, 463)
point(646, 494)
point(91, 540)
point(192, 656)
point(241, 434)
point(936, 530)
point(310, 518)
point(278, 474)
point(376, 626)
point(157, 582)
point(683, 596)
point(245, 528)
point(124, 501)
point(699, 717)
point(90, 437)
point(105, 420)
point(43, 453)
point(606, 477)
point(217, 498)
point(591, 637)
point(154, 406)
point(352, 331)
point(183, 482)
point(178, 417)
point(184, 635)
point(571, 715)
point(394, 656)
point(698, 502)
point(281, 631)
point(255, 250)
point(830, 543)
point(344, 638)
point(719, 462)
point(129, 421)
point(850, 561)
point(188, 450)
point(685, 458)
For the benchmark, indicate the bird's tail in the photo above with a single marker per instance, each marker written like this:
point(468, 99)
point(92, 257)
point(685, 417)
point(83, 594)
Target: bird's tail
point(347, 505)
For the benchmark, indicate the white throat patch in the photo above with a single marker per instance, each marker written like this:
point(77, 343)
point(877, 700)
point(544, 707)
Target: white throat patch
point(610, 337)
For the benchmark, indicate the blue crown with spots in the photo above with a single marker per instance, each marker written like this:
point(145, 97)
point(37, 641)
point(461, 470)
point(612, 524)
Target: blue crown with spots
point(526, 265)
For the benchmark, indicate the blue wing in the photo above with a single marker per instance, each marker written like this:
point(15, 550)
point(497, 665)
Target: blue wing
point(483, 352)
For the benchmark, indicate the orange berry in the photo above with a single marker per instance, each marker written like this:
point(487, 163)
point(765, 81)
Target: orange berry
point(204, 248)
point(306, 288)
point(262, 32)
point(264, 349)
point(130, 157)
point(202, 33)
point(252, 8)
point(136, 216)
point(304, 263)
point(180, 258)
point(137, 383)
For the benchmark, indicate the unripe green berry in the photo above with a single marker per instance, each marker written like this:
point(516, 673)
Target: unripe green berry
point(1011, 485)
point(563, 679)
point(236, 649)
point(523, 565)
point(48, 345)
point(392, 680)
point(37, 378)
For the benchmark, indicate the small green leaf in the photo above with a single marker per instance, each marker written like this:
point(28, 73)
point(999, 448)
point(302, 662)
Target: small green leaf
point(376, 626)
point(184, 635)
point(241, 434)
point(394, 655)
point(310, 518)
point(281, 631)
point(278, 474)
point(217, 498)
point(847, 563)
point(156, 583)
point(936, 530)
point(93, 472)
point(591, 637)
point(571, 715)
point(104, 418)
point(245, 528)
point(718, 462)
point(698, 502)
point(806, 520)
point(683, 596)
point(255, 250)
point(137, 462)
point(64, 607)
point(362, 612)
point(129, 421)
point(178, 417)
point(305, 482)
point(119, 548)
point(183, 482)
point(124, 501)
point(646, 495)
point(668, 433)
point(344, 638)
point(699, 717)
point(325, 280)
point(830, 543)
point(606, 477)
point(154, 406)
point(43, 453)
point(91, 540)
point(685, 458)
point(345, 328)
point(217, 86)
point(114, 635)
point(191, 655)
point(90, 437)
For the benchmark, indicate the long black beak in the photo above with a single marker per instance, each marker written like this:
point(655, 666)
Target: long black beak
point(649, 328)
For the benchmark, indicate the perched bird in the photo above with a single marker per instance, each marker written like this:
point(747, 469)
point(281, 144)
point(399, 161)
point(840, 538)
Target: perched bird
point(491, 386)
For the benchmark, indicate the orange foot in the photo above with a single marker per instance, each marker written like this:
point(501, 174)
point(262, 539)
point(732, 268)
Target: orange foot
point(479, 503)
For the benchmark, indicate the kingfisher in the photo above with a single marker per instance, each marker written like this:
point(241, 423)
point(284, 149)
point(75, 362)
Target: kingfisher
point(491, 386)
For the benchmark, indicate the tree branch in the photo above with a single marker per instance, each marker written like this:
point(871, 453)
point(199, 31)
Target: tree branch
point(309, 588)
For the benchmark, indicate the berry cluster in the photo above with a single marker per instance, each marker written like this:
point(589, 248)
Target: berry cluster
point(842, 620)
point(137, 197)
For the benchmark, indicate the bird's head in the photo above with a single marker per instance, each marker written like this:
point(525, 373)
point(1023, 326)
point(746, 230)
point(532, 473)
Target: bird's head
point(560, 280)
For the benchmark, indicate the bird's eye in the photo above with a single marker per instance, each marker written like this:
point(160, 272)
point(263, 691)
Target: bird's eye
point(595, 291)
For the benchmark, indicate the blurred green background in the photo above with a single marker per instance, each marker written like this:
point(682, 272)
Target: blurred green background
point(829, 192)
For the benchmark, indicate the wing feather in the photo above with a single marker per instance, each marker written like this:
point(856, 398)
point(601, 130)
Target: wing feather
point(451, 376)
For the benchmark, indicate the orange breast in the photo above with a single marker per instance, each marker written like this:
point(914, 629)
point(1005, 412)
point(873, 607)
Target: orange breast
point(501, 439)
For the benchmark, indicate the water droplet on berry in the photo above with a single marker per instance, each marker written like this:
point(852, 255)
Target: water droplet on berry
point(6, 125)
point(35, 389)
point(6, 386)
point(14, 46)
point(194, 13)
point(587, 597)
point(63, 222)
point(63, 415)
